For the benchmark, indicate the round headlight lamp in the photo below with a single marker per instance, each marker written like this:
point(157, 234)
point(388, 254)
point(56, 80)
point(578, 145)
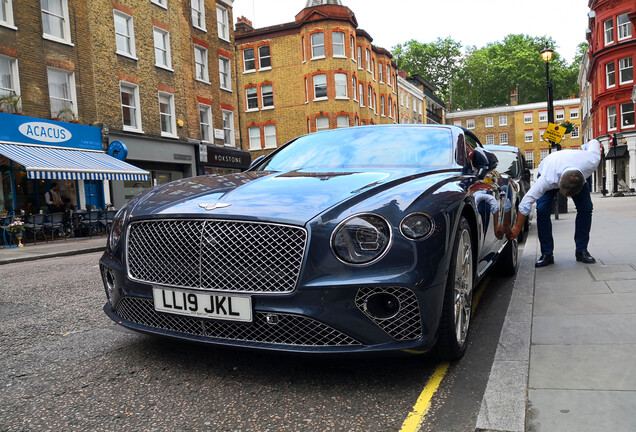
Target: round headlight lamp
point(417, 226)
point(361, 239)
point(117, 229)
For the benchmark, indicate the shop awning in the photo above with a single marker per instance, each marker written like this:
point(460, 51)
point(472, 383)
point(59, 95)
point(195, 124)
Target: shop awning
point(43, 162)
point(617, 152)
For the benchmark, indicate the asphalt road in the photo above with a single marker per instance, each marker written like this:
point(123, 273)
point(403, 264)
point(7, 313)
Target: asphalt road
point(65, 366)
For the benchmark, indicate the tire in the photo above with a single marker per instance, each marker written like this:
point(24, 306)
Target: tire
point(458, 297)
point(509, 257)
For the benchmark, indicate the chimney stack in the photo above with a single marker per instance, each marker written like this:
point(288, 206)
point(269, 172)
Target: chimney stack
point(514, 98)
point(243, 25)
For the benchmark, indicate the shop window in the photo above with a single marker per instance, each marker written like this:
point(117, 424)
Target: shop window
point(322, 123)
point(62, 94)
point(131, 114)
point(338, 41)
point(6, 13)
point(201, 64)
point(9, 81)
point(267, 95)
point(167, 115)
point(342, 121)
point(317, 45)
point(251, 97)
point(320, 86)
point(249, 62)
point(341, 86)
point(124, 34)
point(198, 14)
point(264, 57)
point(254, 133)
point(162, 48)
point(624, 26)
point(205, 122)
point(55, 23)
point(627, 115)
point(222, 23)
point(270, 136)
point(225, 75)
point(228, 128)
point(626, 70)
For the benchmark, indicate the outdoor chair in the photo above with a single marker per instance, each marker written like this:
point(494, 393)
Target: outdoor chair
point(624, 189)
point(106, 219)
point(34, 224)
point(55, 223)
point(91, 221)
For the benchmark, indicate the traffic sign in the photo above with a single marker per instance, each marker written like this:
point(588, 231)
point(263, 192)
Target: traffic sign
point(554, 133)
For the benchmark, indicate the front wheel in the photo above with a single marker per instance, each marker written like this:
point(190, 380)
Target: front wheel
point(458, 297)
point(509, 258)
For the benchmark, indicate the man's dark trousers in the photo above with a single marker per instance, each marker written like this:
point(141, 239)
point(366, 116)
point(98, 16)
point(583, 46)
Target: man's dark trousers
point(583, 223)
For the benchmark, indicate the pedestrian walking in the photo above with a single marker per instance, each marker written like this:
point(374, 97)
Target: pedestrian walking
point(564, 171)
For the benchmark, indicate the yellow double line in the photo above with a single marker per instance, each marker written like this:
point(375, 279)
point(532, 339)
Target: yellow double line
point(420, 409)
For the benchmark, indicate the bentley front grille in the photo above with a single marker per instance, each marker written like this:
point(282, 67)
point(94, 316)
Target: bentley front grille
point(403, 326)
point(216, 255)
point(285, 329)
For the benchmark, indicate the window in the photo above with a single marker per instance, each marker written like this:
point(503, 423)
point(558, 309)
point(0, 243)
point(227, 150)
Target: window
point(342, 121)
point(543, 116)
point(530, 159)
point(162, 3)
point(317, 45)
point(249, 62)
point(198, 14)
point(162, 48)
point(322, 123)
point(527, 117)
point(541, 132)
point(490, 139)
point(254, 133)
point(457, 123)
point(370, 96)
point(609, 31)
point(9, 82)
point(228, 128)
point(359, 51)
point(251, 96)
point(503, 120)
point(574, 113)
point(381, 72)
point(361, 94)
point(302, 43)
point(627, 115)
point(382, 109)
point(131, 114)
point(503, 138)
point(61, 92)
point(373, 68)
point(225, 76)
point(356, 121)
point(341, 85)
point(407, 100)
point(124, 34)
point(270, 135)
point(626, 70)
point(55, 23)
point(388, 74)
point(166, 115)
point(6, 13)
point(205, 122)
point(543, 153)
point(267, 96)
point(470, 124)
point(354, 88)
point(201, 64)
point(368, 59)
point(222, 23)
point(610, 75)
point(611, 118)
point(559, 114)
point(264, 57)
point(624, 26)
point(352, 44)
point(489, 121)
point(338, 40)
point(320, 86)
point(575, 132)
point(529, 135)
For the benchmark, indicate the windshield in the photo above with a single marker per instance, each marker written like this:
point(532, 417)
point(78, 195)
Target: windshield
point(367, 147)
point(507, 163)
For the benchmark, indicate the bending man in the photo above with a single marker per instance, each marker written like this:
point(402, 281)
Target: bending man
point(565, 170)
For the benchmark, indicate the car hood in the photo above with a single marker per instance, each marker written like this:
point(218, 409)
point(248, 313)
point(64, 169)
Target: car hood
point(293, 197)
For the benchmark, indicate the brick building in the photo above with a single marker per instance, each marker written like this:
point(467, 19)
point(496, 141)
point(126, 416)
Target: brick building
point(155, 75)
point(610, 76)
point(417, 100)
point(520, 125)
point(319, 72)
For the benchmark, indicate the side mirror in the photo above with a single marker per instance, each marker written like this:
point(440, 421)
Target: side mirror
point(484, 162)
point(257, 161)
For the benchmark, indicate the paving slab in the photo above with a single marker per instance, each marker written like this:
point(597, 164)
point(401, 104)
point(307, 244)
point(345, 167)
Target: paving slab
point(504, 398)
point(622, 286)
point(593, 304)
point(584, 329)
point(581, 411)
point(583, 367)
point(562, 288)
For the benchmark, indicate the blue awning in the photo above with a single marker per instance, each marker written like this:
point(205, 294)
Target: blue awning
point(43, 162)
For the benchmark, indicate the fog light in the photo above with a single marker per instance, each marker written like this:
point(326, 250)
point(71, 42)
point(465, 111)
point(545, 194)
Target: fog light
point(109, 283)
point(382, 305)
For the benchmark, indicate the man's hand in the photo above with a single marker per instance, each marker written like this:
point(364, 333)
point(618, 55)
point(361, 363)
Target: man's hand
point(516, 230)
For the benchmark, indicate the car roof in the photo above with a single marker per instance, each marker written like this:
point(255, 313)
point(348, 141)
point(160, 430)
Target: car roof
point(496, 147)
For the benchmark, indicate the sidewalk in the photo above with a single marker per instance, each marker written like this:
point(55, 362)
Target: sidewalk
point(59, 247)
point(566, 359)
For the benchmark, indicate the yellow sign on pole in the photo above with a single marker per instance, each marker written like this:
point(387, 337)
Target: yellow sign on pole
point(554, 133)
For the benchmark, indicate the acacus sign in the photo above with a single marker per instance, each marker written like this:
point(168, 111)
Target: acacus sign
point(45, 132)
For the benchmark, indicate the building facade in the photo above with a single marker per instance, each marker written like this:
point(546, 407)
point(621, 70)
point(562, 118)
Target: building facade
point(411, 101)
point(319, 72)
point(521, 126)
point(610, 74)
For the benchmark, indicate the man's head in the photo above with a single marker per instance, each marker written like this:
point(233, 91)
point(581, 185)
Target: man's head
point(54, 186)
point(571, 182)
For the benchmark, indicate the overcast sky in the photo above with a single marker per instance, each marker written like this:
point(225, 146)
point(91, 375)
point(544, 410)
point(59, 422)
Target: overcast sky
point(471, 22)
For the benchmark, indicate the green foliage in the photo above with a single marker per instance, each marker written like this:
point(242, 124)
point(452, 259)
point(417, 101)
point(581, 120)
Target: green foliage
point(485, 77)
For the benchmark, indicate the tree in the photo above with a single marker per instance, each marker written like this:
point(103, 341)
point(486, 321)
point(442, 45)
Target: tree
point(437, 61)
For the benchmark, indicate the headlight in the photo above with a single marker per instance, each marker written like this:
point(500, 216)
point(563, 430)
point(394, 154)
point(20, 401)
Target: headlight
point(361, 239)
point(416, 226)
point(117, 228)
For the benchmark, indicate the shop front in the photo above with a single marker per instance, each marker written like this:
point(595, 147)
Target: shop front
point(219, 160)
point(38, 154)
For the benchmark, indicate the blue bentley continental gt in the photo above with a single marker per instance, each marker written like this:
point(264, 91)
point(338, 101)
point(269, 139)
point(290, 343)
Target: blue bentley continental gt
point(362, 239)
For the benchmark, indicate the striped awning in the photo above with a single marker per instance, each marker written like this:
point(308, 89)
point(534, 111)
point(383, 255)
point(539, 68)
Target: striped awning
point(43, 162)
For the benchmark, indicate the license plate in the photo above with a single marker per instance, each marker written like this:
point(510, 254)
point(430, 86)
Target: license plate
point(202, 305)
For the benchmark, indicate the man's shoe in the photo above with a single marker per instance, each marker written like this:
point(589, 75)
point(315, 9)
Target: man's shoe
point(545, 260)
point(585, 257)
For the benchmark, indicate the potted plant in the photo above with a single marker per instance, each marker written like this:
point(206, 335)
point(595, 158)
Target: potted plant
point(568, 125)
point(12, 103)
point(16, 228)
point(67, 114)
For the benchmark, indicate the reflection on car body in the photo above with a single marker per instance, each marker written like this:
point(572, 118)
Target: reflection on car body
point(361, 239)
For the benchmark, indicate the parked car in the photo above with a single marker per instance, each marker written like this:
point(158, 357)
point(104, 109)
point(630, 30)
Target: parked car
point(513, 163)
point(361, 239)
